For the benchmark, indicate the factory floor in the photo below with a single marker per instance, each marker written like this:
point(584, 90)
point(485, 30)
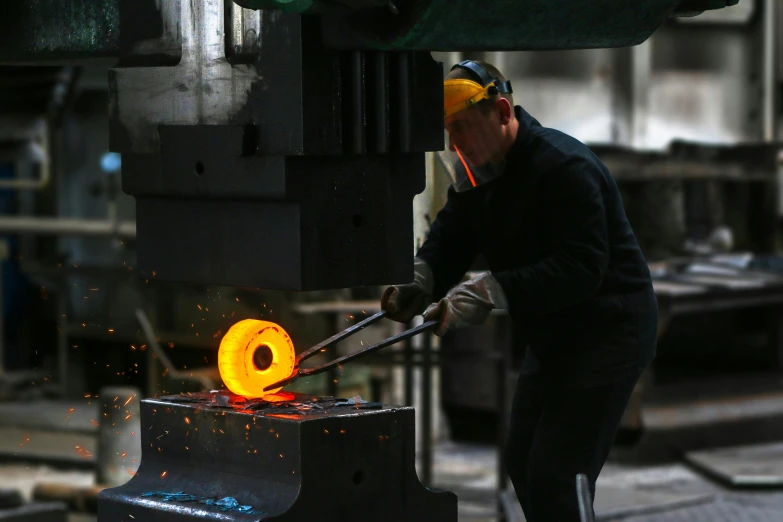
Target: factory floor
point(43, 448)
point(663, 492)
point(660, 493)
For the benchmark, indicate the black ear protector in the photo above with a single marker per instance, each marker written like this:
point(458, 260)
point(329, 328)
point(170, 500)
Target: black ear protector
point(476, 68)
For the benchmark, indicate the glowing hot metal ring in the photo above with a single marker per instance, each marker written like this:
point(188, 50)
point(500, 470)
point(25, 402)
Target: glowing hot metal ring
point(254, 354)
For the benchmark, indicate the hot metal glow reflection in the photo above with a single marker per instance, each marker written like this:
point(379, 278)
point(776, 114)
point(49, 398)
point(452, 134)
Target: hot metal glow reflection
point(249, 343)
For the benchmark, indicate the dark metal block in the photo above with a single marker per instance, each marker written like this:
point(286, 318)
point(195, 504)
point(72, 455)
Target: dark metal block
point(295, 172)
point(293, 223)
point(43, 512)
point(448, 25)
point(220, 457)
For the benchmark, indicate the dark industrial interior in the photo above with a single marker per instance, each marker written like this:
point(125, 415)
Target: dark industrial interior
point(169, 169)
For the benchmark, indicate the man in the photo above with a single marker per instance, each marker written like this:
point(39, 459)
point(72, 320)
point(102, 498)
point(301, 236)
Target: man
point(548, 219)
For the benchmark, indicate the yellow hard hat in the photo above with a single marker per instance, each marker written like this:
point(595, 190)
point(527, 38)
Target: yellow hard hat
point(460, 94)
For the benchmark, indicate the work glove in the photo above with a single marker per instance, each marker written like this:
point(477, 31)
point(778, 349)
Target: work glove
point(404, 302)
point(467, 304)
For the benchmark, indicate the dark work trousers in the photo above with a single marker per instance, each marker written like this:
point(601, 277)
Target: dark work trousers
point(556, 433)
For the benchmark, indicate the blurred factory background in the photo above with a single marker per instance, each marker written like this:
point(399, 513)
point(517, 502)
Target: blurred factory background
point(689, 123)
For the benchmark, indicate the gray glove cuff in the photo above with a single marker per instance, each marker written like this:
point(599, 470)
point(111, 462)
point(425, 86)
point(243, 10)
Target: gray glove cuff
point(484, 288)
point(423, 276)
point(495, 293)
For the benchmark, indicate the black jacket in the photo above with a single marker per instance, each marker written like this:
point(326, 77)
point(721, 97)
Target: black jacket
point(554, 233)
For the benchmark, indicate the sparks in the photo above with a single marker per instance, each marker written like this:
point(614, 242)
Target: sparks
point(124, 454)
point(83, 452)
point(163, 475)
point(187, 420)
point(128, 401)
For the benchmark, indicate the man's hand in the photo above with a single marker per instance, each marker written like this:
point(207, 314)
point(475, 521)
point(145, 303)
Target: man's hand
point(467, 304)
point(404, 302)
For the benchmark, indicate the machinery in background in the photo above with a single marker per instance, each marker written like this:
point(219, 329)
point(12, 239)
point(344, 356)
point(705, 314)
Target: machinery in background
point(282, 147)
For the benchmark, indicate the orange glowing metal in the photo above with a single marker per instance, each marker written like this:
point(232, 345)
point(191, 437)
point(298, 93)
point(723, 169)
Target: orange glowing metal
point(254, 354)
point(279, 397)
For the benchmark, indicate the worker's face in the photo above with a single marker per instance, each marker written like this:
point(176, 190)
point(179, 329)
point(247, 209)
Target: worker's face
point(476, 132)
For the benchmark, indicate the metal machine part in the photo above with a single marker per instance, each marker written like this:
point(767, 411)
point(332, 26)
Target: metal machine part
point(296, 171)
point(448, 25)
point(282, 150)
point(215, 455)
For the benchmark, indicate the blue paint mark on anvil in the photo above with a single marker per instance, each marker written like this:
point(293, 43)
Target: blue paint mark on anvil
point(225, 503)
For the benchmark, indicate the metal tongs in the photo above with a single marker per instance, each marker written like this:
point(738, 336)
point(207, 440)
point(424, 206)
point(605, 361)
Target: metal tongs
point(306, 372)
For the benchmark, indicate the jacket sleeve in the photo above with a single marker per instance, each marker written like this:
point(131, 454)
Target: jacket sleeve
point(451, 245)
point(573, 218)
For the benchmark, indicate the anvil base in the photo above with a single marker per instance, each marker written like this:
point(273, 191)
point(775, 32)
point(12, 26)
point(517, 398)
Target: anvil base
point(215, 456)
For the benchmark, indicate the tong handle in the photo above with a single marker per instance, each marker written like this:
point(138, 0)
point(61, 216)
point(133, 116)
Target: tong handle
point(304, 372)
point(377, 346)
point(339, 337)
